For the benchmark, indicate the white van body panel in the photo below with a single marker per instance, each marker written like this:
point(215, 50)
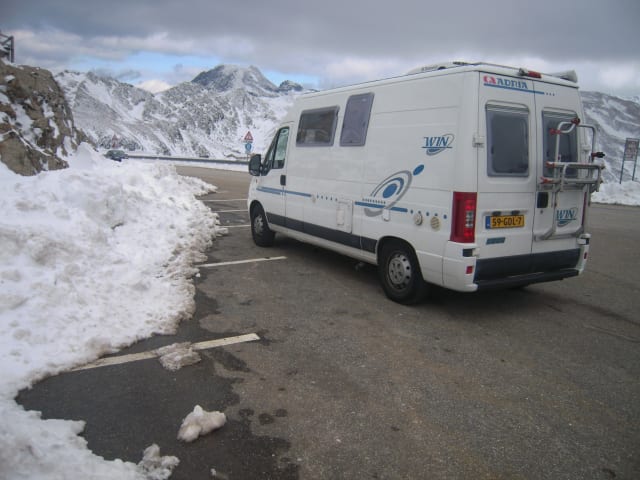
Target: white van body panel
point(429, 135)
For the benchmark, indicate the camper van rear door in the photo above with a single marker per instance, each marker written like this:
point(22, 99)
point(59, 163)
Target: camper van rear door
point(557, 226)
point(506, 167)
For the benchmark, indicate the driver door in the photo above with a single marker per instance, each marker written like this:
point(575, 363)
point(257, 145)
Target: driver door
point(272, 179)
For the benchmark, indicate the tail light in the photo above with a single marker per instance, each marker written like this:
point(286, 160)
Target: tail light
point(463, 225)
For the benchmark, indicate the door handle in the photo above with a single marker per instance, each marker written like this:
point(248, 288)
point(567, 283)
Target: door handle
point(283, 180)
point(543, 200)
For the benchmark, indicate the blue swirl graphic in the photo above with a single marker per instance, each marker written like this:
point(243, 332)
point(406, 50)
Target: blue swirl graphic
point(391, 190)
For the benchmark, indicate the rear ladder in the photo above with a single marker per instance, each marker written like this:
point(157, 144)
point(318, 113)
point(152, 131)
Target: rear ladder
point(589, 174)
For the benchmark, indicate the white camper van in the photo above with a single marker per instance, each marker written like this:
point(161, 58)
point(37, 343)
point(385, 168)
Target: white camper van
point(468, 176)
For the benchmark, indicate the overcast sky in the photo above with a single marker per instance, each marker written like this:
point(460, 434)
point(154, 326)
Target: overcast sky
point(327, 42)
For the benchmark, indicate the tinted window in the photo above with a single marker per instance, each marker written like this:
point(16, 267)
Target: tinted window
point(568, 148)
point(508, 142)
point(356, 120)
point(317, 127)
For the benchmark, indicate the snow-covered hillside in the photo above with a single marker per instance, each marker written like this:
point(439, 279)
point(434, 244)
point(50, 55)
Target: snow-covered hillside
point(208, 116)
point(615, 119)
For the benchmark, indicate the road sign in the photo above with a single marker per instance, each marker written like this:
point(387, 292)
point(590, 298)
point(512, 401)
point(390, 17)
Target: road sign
point(630, 154)
point(631, 148)
point(248, 146)
point(248, 137)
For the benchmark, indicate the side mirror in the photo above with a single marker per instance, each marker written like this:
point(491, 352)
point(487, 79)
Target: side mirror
point(254, 164)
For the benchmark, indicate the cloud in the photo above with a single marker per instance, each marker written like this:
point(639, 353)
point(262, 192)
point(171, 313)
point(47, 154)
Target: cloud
point(154, 86)
point(334, 41)
point(347, 70)
point(618, 76)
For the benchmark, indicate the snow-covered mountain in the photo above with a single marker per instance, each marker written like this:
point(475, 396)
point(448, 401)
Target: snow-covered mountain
point(208, 116)
point(615, 119)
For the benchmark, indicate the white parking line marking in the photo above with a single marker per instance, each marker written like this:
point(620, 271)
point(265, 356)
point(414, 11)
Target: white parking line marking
point(230, 211)
point(238, 262)
point(134, 357)
point(221, 342)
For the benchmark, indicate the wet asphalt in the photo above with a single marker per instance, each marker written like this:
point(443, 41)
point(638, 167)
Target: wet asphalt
point(535, 383)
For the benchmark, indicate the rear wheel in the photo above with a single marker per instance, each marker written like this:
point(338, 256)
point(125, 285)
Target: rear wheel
point(400, 273)
point(262, 235)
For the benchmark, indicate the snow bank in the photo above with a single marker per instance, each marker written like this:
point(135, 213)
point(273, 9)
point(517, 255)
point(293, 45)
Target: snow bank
point(625, 193)
point(92, 258)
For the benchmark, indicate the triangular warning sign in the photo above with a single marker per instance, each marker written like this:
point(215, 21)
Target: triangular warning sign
point(248, 137)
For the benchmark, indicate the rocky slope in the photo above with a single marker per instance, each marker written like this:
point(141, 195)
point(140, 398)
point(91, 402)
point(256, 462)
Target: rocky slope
point(36, 124)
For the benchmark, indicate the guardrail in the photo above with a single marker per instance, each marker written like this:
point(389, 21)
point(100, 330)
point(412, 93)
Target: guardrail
point(189, 159)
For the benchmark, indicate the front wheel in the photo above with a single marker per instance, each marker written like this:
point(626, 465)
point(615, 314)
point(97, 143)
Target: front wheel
point(400, 273)
point(262, 235)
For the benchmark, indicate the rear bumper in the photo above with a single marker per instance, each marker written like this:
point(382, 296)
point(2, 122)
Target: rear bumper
point(525, 269)
point(527, 279)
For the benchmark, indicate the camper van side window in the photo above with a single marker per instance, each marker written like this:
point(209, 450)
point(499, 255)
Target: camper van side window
point(508, 142)
point(317, 127)
point(356, 120)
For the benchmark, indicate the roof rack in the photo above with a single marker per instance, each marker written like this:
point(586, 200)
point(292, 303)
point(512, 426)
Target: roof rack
point(569, 75)
point(437, 66)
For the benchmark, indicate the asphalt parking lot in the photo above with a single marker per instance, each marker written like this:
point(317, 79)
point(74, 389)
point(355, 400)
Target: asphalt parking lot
point(537, 383)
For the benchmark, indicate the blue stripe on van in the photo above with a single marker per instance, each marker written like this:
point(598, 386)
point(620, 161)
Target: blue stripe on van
point(276, 191)
point(280, 191)
point(300, 194)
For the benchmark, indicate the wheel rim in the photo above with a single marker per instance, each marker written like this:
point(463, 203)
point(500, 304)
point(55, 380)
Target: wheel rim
point(399, 271)
point(258, 225)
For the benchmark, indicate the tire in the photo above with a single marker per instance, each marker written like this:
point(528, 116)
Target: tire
point(400, 273)
point(262, 235)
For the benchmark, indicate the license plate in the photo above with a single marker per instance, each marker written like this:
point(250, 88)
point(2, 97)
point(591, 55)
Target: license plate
point(505, 221)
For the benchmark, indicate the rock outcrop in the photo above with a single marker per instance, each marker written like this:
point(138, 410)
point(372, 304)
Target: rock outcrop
point(36, 123)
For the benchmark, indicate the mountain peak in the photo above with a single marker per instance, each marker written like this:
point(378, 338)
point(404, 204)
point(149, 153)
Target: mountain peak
point(224, 78)
point(289, 86)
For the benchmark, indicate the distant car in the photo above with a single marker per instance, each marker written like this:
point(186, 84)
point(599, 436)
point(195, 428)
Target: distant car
point(116, 155)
